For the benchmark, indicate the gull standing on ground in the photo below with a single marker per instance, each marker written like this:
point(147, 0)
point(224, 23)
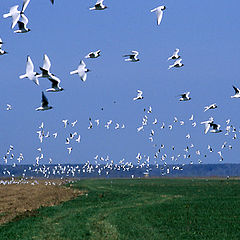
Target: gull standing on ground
point(175, 55)
point(81, 71)
point(159, 12)
point(132, 57)
point(30, 74)
point(2, 52)
point(139, 95)
point(44, 104)
point(177, 64)
point(185, 97)
point(22, 25)
point(98, 6)
point(237, 92)
point(93, 54)
point(55, 84)
point(212, 106)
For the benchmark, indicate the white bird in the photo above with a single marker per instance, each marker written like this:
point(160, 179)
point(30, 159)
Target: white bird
point(237, 92)
point(159, 12)
point(215, 128)
point(98, 6)
point(2, 52)
point(81, 71)
point(97, 121)
point(65, 122)
point(93, 54)
point(177, 64)
point(55, 135)
point(46, 67)
point(78, 139)
point(69, 150)
point(175, 54)
point(185, 97)
point(9, 107)
point(207, 124)
point(74, 123)
point(139, 129)
point(14, 13)
point(55, 84)
point(22, 25)
point(44, 104)
point(212, 106)
point(132, 57)
point(139, 95)
point(30, 74)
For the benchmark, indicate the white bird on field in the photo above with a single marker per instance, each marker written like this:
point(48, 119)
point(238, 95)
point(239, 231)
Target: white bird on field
point(139, 95)
point(185, 97)
point(178, 63)
point(55, 84)
point(22, 25)
point(132, 57)
point(159, 12)
point(44, 104)
point(98, 6)
point(175, 55)
point(81, 71)
point(212, 106)
point(237, 92)
point(93, 54)
point(30, 74)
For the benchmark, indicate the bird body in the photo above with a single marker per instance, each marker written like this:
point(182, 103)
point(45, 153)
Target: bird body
point(177, 64)
point(55, 84)
point(81, 71)
point(159, 11)
point(98, 6)
point(22, 25)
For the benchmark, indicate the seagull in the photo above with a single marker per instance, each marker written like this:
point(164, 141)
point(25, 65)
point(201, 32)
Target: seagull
point(215, 128)
point(98, 6)
point(175, 55)
point(212, 106)
point(22, 25)
point(78, 139)
point(177, 64)
point(55, 84)
point(93, 54)
point(132, 57)
point(2, 52)
point(185, 97)
point(44, 104)
point(81, 71)
point(74, 123)
point(46, 67)
point(139, 95)
point(207, 124)
point(30, 74)
point(9, 107)
point(14, 13)
point(191, 118)
point(65, 122)
point(237, 92)
point(159, 12)
point(69, 150)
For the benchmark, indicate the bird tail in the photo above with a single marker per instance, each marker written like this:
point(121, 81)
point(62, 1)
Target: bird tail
point(74, 72)
point(23, 76)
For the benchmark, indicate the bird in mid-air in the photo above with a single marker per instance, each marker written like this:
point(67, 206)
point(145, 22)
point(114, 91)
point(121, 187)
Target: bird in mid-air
point(98, 6)
point(159, 11)
point(44, 104)
point(22, 25)
point(93, 54)
point(237, 92)
point(2, 52)
point(139, 95)
point(81, 71)
point(178, 63)
point(132, 57)
point(175, 54)
point(55, 84)
point(212, 106)
point(30, 74)
point(185, 97)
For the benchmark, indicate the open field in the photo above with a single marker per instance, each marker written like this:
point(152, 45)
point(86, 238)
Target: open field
point(137, 209)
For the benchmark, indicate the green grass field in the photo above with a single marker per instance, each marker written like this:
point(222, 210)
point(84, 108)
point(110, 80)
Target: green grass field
point(138, 209)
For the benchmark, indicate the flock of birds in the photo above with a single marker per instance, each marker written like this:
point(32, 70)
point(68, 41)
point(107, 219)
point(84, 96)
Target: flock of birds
point(104, 164)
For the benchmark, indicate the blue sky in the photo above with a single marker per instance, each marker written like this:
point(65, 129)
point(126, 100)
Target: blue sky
point(207, 34)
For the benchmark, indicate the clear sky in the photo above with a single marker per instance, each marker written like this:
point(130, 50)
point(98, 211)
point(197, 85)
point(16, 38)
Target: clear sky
point(207, 34)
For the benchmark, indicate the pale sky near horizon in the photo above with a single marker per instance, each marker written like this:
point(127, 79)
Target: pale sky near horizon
point(207, 34)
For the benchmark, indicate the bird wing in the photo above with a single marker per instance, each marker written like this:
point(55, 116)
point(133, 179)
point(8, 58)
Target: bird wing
point(30, 66)
point(46, 63)
point(207, 126)
point(82, 64)
point(135, 53)
point(24, 19)
point(54, 80)
point(44, 100)
point(25, 4)
point(99, 2)
point(176, 51)
point(178, 61)
point(159, 13)
point(15, 18)
point(236, 89)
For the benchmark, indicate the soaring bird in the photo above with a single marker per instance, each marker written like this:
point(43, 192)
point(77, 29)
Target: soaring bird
point(132, 57)
point(30, 74)
point(159, 12)
point(46, 67)
point(98, 6)
point(55, 84)
point(81, 71)
point(139, 95)
point(2, 52)
point(212, 106)
point(237, 92)
point(22, 25)
point(93, 54)
point(177, 64)
point(44, 104)
point(185, 97)
point(175, 55)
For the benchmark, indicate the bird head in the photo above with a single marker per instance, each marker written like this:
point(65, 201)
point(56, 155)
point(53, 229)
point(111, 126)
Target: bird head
point(164, 7)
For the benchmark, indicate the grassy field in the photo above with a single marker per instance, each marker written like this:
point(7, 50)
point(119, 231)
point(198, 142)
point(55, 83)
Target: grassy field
point(137, 209)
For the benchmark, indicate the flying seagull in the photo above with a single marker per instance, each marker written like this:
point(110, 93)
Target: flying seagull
point(215, 128)
point(22, 25)
point(175, 55)
point(46, 67)
point(207, 124)
point(30, 74)
point(139, 95)
point(2, 52)
point(212, 106)
point(177, 64)
point(159, 12)
point(98, 6)
point(132, 57)
point(93, 54)
point(237, 92)
point(81, 71)
point(55, 84)
point(185, 97)
point(44, 104)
